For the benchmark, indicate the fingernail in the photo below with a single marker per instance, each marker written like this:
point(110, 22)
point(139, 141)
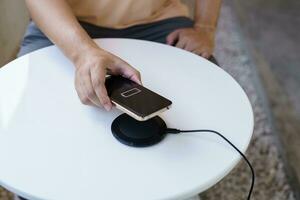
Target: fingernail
point(107, 107)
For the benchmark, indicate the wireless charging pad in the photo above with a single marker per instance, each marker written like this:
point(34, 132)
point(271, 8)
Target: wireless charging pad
point(138, 133)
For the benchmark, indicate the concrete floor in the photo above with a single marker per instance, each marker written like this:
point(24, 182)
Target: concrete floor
point(264, 152)
point(273, 27)
point(272, 31)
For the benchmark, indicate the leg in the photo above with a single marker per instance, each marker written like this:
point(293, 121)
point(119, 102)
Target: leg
point(157, 31)
point(33, 39)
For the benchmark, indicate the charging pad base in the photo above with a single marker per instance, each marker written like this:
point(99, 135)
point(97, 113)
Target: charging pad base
point(138, 133)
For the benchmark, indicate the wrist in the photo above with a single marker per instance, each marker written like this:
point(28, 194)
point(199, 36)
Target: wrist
point(78, 45)
point(84, 53)
point(205, 27)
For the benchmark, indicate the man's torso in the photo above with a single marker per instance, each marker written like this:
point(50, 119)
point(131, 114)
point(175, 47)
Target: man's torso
point(125, 13)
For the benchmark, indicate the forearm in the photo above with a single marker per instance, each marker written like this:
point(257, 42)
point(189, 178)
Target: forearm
point(207, 13)
point(56, 19)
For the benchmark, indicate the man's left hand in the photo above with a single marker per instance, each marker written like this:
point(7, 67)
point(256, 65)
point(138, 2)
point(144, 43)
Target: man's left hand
point(196, 40)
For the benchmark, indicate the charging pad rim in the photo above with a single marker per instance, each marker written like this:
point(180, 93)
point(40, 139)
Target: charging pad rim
point(124, 139)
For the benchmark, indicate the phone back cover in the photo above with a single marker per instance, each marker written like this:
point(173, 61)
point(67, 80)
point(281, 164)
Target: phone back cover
point(134, 97)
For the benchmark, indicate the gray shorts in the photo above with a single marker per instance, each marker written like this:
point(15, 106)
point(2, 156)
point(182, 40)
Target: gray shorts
point(157, 31)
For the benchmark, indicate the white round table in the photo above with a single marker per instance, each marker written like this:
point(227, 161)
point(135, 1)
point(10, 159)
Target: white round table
point(53, 147)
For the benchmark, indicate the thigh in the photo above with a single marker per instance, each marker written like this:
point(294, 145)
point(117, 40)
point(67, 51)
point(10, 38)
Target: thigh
point(158, 31)
point(154, 31)
point(33, 39)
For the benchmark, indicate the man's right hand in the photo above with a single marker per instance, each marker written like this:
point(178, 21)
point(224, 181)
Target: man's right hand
point(91, 68)
point(93, 64)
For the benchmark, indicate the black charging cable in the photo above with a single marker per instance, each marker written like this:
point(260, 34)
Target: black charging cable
point(176, 131)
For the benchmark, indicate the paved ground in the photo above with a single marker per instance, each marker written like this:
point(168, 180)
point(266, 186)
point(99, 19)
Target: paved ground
point(264, 151)
point(272, 28)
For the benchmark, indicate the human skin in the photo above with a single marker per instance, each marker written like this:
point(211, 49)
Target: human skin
point(199, 39)
point(56, 19)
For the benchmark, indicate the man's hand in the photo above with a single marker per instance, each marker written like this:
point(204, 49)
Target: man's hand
point(91, 68)
point(93, 64)
point(200, 41)
point(201, 38)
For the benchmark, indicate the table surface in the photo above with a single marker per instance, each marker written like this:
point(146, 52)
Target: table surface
point(53, 147)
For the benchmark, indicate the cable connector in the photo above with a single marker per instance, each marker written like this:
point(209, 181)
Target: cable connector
point(172, 130)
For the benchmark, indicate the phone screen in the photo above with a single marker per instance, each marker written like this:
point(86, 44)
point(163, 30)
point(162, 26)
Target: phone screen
point(134, 97)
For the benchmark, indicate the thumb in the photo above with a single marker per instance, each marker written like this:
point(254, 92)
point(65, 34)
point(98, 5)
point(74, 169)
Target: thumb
point(121, 67)
point(129, 72)
point(172, 37)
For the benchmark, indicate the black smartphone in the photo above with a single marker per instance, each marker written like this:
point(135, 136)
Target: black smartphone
point(134, 99)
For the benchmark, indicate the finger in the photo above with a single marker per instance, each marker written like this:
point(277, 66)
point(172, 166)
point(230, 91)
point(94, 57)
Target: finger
point(190, 46)
point(198, 51)
point(135, 78)
point(206, 55)
point(133, 75)
point(127, 71)
point(202, 53)
point(181, 44)
point(173, 37)
point(83, 98)
point(89, 90)
point(98, 82)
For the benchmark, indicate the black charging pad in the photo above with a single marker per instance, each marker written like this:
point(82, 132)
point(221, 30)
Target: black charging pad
point(138, 133)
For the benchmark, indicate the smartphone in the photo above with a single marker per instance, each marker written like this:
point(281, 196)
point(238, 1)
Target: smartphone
point(134, 99)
